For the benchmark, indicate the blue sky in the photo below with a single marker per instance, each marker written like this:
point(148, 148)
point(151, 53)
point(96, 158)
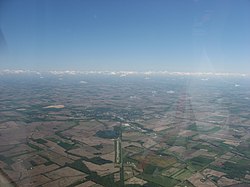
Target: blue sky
point(141, 35)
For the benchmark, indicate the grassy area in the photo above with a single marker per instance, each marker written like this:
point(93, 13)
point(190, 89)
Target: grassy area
point(34, 146)
point(186, 184)
point(157, 160)
point(182, 175)
point(133, 185)
point(80, 166)
point(150, 169)
point(133, 149)
point(233, 170)
point(179, 141)
point(212, 130)
point(40, 141)
point(194, 127)
point(99, 160)
point(66, 145)
point(160, 180)
point(170, 171)
point(203, 146)
point(63, 144)
point(197, 163)
point(98, 147)
point(6, 160)
point(245, 150)
point(214, 178)
point(108, 134)
point(49, 162)
point(33, 163)
point(52, 139)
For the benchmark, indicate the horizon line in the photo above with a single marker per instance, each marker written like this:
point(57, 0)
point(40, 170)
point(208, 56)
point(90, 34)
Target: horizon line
point(119, 72)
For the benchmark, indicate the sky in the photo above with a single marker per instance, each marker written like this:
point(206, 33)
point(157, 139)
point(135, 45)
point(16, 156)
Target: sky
point(129, 35)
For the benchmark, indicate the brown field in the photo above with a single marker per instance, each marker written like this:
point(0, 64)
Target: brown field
point(54, 125)
point(64, 177)
point(42, 169)
point(63, 181)
point(208, 172)
point(107, 148)
point(224, 181)
point(58, 149)
point(135, 180)
point(202, 152)
point(89, 127)
point(157, 160)
point(197, 181)
point(92, 140)
point(128, 143)
point(86, 184)
point(56, 158)
point(103, 169)
point(13, 133)
point(170, 171)
point(177, 149)
point(3, 165)
point(34, 181)
point(85, 152)
point(186, 133)
point(19, 171)
point(64, 172)
point(133, 136)
point(19, 149)
point(227, 156)
point(232, 142)
point(109, 156)
point(160, 124)
point(30, 157)
point(148, 142)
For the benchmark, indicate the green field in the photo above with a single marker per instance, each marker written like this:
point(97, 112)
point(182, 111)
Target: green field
point(233, 170)
point(194, 127)
point(160, 180)
point(197, 163)
point(182, 175)
point(133, 149)
point(186, 184)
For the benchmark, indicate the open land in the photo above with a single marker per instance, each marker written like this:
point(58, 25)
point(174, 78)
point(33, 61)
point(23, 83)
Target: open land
point(176, 131)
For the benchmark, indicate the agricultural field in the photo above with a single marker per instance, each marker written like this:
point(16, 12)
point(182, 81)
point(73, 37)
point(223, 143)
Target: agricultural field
point(124, 131)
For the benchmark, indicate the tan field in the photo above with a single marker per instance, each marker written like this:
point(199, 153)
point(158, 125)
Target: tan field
point(224, 181)
point(135, 180)
point(34, 181)
point(103, 169)
point(208, 172)
point(54, 106)
point(64, 177)
point(87, 184)
point(197, 180)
